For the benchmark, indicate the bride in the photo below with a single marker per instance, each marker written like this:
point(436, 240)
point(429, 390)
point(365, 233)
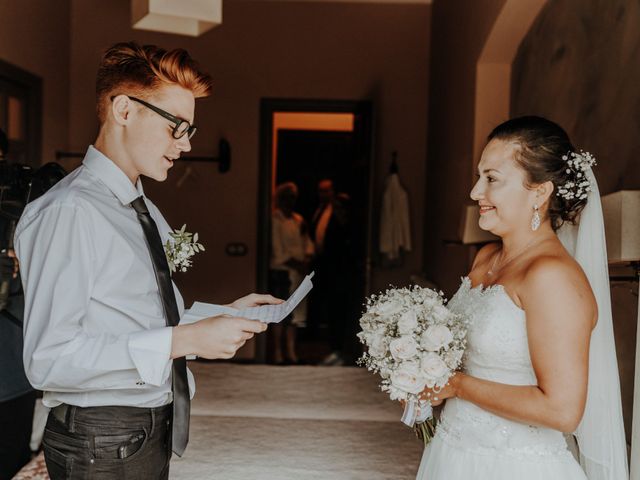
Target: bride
point(540, 358)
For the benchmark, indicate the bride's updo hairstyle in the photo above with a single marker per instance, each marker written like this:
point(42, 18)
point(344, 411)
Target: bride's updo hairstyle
point(542, 146)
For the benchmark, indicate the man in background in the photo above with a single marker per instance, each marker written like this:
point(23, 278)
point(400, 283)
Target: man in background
point(334, 267)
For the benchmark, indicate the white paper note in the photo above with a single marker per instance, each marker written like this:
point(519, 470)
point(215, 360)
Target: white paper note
point(264, 313)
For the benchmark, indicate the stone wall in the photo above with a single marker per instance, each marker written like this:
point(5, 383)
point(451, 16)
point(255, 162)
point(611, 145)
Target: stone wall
point(579, 67)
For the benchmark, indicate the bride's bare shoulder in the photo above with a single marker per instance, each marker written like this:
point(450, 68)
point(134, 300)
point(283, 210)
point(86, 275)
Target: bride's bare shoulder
point(557, 275)
point(555, 263)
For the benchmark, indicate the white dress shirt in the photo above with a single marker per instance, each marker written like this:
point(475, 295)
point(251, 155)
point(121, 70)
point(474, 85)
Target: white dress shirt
point(94, 327)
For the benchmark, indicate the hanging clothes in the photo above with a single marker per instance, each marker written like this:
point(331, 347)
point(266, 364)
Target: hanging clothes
point(395, 221)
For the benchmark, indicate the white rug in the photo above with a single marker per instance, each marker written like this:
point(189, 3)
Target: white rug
point(331, 393)
point(294, 423)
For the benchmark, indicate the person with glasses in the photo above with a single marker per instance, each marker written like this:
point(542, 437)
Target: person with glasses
point(103, 337)
point(181, 127)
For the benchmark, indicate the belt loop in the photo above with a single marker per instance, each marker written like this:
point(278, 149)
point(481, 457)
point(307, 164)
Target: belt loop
point(153, 421)
point(70, 418)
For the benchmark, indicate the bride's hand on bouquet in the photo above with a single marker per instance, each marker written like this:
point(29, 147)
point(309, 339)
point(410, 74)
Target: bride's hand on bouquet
point(255, 300)
point(437, 396)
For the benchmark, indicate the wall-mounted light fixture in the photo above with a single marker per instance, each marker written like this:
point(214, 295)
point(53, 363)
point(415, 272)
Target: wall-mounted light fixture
point(223, 159)
point(184, 17)
point(621, 212)
point(622, 229)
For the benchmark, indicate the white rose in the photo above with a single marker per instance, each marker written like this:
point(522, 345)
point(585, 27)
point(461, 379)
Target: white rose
point(403, 348)
point(374, 334)
point(431, 302)
point(377, 347)
point(440, 312)
point(370, 330)
point(433, 368)
point(388, 308)
point(379, 331)
point(435, 337)
point(408, 322)
point(408, 378)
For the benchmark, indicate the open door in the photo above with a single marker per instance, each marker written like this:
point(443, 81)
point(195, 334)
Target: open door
point(305, 141)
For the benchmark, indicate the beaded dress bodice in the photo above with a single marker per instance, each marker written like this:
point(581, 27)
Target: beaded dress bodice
point(498, 351)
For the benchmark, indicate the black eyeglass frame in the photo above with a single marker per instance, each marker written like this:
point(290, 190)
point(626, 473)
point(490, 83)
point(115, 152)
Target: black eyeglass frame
point(177, 121)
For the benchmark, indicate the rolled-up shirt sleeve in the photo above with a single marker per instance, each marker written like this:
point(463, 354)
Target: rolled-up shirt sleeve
point(58, 263)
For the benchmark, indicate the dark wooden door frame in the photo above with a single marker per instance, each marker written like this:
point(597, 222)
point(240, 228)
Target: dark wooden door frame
point(33, 84)
point(363, 112)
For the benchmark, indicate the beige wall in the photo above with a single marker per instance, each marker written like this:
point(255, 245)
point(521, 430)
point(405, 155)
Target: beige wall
point(459, 31)
point(585, 75)
point(271, 49)
point(34, 35)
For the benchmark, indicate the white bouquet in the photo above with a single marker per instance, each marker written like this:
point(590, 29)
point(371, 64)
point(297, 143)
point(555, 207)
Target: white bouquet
point(413, 341)
point(179, 250)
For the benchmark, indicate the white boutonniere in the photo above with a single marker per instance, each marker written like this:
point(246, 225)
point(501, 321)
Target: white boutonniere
point(181, 248)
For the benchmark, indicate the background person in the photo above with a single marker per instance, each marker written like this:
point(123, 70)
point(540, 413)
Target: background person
point(291, 253)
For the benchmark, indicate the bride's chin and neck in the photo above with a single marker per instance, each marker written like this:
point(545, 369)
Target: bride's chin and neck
point(515, 237)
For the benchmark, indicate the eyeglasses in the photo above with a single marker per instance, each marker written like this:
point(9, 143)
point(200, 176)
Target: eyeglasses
point(181, 127)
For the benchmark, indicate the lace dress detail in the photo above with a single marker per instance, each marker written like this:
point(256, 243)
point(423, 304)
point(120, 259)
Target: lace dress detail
point(473, 443)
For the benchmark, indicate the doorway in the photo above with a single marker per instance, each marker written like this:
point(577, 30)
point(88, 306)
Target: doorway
point(304, 142)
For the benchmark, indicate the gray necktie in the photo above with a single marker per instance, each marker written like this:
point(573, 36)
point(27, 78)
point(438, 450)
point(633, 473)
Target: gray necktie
point(180, 385)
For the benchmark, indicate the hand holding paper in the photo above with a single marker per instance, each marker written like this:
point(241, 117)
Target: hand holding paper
point(264, 313)
point(254, 300)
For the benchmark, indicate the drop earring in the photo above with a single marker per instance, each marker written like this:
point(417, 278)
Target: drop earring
point(535, 220)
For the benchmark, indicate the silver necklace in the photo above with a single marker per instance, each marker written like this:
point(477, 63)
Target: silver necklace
point(493, 271)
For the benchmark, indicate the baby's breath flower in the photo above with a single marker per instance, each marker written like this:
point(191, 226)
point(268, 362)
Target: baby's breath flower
point(579, 186)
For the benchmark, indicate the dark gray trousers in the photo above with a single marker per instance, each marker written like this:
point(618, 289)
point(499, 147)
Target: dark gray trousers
point(116, 443)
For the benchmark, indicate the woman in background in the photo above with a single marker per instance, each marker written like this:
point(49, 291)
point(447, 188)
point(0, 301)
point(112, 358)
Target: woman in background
point(291, 253)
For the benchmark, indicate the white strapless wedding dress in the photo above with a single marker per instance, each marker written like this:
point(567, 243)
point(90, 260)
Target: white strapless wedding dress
point(472, 443)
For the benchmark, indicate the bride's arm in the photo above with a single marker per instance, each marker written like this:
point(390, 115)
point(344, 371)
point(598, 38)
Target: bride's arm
point(560, 311)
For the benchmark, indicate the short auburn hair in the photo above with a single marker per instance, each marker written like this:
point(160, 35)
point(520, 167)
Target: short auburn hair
point(138, 69)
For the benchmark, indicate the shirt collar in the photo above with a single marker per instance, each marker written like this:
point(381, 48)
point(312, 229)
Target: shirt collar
point(112, 176)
